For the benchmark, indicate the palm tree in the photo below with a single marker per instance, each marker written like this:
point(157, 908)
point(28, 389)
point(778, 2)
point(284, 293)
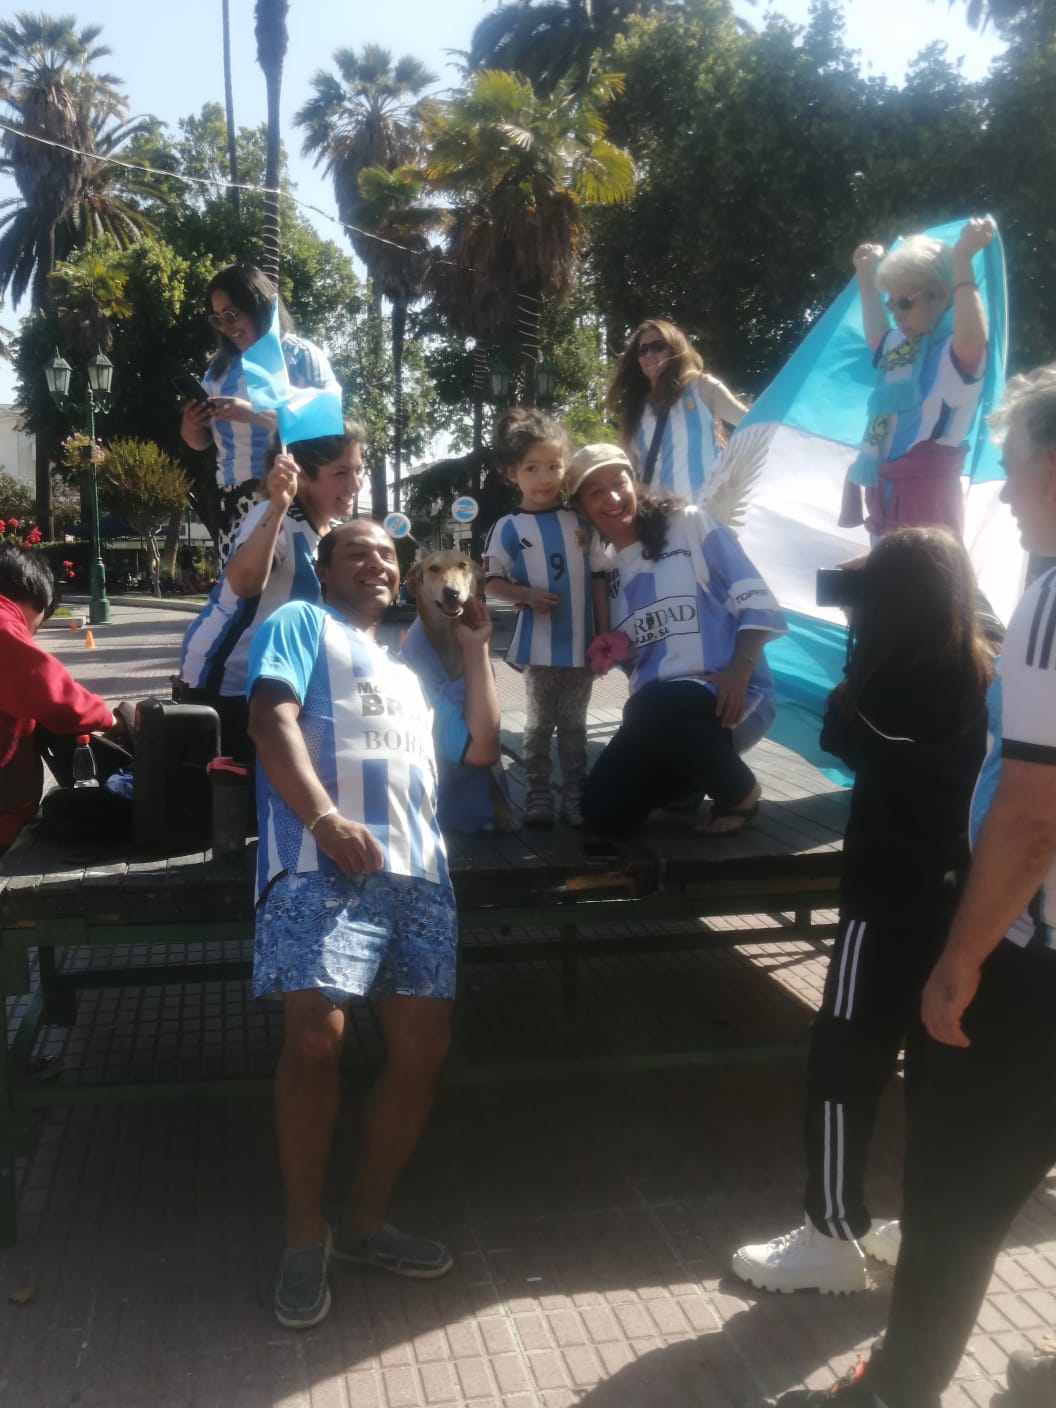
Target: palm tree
point(390, 207)
point(367, 114)
point(51, 94)
point(544, 42)
point(272, 40)
point(521, 168)
point(88, 292)
point(234, 194)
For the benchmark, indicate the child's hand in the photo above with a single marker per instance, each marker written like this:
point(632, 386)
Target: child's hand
point(608, 649)
point(976, 235)
point(538, 600)
point(866, 257)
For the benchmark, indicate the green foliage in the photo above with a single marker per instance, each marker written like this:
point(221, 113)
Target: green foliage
point(147, 487)
point(16, 499)
point(766, 158)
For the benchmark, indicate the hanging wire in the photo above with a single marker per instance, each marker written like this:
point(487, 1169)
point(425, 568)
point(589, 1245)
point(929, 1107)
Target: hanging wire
point(268, 192)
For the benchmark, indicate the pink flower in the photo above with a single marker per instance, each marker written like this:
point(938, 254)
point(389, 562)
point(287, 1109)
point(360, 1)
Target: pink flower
point(607, 650)
point(12, 523)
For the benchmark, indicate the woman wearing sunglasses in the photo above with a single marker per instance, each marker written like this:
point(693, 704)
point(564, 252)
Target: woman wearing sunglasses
point(667, 408)
point(240, 300)
point(929, 375)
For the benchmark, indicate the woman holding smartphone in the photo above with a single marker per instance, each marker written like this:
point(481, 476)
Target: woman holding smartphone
point(240, 299)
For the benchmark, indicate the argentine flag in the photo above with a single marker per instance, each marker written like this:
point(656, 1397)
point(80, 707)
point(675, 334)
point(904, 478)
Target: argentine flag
point(303, 412)
point(807, 427)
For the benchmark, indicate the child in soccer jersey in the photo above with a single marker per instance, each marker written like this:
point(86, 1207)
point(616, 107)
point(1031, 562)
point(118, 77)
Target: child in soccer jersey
point(550, 564)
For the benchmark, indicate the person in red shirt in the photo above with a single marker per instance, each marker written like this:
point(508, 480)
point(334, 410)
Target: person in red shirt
point(38, 697)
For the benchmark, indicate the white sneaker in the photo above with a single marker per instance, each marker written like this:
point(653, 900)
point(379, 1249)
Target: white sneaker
point(803, 1260)
point(883, 1240)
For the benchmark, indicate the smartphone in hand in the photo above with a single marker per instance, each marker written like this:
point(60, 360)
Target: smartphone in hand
point(190, 388)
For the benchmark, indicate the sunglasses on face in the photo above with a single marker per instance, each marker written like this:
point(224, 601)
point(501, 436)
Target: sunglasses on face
point(225, 321)
point(644, 348)
point(908, 301)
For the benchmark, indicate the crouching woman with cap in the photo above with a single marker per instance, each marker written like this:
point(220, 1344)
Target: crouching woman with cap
point(696, 615)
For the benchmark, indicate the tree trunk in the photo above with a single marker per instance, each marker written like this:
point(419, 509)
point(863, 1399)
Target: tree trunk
point(271, 180)
point(529, 314)
point(399, 328)
point(171, 545)
point(234, 193)
point(379, 493)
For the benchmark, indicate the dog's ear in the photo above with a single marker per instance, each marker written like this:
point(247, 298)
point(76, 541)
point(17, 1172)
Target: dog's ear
point(414, 579)
point(478, 581)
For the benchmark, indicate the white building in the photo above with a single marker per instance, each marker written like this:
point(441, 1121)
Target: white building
point(17, 448)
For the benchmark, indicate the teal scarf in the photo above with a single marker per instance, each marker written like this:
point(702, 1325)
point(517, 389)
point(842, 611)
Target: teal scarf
point(891, 398)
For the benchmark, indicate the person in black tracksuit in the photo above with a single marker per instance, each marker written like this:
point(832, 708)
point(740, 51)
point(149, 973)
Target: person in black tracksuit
point(909, 720)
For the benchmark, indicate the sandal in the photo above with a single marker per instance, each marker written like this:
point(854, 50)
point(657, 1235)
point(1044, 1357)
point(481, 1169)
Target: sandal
point(745, 815)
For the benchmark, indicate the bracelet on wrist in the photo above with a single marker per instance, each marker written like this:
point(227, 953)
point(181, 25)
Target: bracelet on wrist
point(330, 811)
point(745, 656)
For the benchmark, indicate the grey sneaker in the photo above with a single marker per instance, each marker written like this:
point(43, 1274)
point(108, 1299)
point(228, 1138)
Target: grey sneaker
point(403, 1254)
point(302, 1293)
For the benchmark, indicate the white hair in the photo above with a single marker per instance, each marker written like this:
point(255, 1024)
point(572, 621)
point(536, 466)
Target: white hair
point(919, 262)
point(1029, 406)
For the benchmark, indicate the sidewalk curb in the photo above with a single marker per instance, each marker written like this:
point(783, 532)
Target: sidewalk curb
point(141, 603)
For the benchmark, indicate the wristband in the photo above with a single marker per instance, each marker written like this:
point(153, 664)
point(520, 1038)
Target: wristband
point(330, 811)
point(745, 656)
point(965, 283)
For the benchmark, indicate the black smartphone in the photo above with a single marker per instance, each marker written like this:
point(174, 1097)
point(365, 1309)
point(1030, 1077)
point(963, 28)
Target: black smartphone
point(190, 388)
point(838, 586)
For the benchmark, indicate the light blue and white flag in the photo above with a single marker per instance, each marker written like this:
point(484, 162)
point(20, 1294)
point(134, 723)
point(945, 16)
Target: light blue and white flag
point(794, 448)
point(302, 412)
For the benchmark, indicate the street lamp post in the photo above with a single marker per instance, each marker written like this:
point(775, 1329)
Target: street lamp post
point(100, 372)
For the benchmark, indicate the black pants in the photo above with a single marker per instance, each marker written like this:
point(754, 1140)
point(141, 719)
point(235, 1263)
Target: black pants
point(981, 1138)
point(233, 712)
point(669, 743)
point(870, 1009)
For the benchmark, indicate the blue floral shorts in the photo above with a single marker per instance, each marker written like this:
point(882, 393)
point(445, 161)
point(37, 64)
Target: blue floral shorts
point(350, 935)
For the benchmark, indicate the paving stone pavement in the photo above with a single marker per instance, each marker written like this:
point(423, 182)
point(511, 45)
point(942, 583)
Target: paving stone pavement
point(591, 1217)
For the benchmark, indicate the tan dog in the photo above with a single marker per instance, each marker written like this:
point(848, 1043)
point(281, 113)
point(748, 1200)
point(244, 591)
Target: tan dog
point(441, 583)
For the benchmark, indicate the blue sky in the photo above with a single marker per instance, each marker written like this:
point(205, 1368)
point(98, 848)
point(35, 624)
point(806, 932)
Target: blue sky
point(170, 60)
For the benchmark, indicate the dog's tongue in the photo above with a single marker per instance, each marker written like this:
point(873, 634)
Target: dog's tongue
point(451, 611)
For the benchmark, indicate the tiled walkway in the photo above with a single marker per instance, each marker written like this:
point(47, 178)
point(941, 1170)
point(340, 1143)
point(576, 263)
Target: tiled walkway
point(592, 1216)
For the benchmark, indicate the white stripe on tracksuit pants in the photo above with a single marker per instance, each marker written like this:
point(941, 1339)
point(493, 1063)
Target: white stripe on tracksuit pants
point(870, 1008)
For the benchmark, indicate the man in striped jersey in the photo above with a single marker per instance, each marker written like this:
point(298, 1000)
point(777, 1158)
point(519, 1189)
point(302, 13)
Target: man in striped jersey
point(983, 1130)
point(354, 895)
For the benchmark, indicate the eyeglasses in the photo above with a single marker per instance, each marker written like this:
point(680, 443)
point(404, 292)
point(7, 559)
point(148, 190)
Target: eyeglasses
point(226, 320)
point(644, 348)
point(908, 301)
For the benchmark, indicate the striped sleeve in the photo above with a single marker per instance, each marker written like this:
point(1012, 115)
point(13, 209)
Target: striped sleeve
point(500, 548)
point(308, 365)
point(1028, 677)
point(735, 580)
point(285, 648)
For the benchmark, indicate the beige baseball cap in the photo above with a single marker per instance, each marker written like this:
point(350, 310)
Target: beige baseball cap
point(584, 462)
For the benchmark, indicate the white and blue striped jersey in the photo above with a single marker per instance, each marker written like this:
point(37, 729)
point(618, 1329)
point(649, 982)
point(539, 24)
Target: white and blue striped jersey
point(240, 449)
point(688, 447)
point(215, 651)
point(556, 551)
point(683, 611)
point(949, 397)
point(1021, 704)
point(369, 734)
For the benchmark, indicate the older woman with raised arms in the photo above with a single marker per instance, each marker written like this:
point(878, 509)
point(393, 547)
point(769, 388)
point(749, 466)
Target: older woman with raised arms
point(929, 371)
